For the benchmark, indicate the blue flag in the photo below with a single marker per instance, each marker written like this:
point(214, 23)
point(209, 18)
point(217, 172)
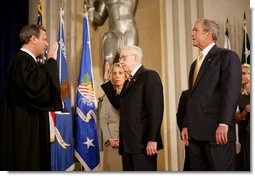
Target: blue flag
point(62, 149)
point(86, 145)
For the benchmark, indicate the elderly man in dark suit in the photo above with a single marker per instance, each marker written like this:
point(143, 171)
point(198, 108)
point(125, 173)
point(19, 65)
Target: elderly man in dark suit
point(209, 125)
point(141, 112)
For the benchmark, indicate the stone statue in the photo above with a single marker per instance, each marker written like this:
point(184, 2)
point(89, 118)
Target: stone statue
point(122, 27)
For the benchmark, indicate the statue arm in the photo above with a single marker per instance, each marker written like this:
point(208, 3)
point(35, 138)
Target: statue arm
point(97, 16)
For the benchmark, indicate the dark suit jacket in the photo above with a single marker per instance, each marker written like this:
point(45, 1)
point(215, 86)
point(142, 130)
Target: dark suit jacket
point(141, 110)
point(182, 108)
point(214, 97)
point(180, 120)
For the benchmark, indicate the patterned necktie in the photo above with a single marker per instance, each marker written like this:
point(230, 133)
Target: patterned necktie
point(129, 80)
point(198, 64)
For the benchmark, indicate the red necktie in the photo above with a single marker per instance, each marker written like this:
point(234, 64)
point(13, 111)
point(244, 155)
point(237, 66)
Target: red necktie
point(129, 80)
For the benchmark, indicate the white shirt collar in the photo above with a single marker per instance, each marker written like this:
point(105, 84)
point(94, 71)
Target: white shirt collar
point(28, 52)
point(135, 70)
point(207, 49)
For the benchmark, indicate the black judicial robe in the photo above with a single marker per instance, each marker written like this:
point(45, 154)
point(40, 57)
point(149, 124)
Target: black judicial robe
point(30, 91)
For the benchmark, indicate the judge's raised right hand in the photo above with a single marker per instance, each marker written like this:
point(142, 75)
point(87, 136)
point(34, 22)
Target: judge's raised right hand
point(53, 51)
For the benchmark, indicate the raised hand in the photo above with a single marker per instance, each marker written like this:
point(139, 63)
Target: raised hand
point(53, 51)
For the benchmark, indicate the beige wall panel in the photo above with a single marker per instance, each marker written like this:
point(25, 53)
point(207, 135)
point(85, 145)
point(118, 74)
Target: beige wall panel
point(148, 24)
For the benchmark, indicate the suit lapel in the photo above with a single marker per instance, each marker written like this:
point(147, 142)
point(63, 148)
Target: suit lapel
point(192, 69)
point(134, 79)
point(207, 61)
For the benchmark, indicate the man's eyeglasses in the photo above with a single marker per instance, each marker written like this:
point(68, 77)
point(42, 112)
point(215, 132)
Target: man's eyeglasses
point(124, 57)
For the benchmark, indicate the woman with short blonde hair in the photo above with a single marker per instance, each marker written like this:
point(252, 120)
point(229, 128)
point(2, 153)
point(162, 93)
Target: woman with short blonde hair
point(109, 122)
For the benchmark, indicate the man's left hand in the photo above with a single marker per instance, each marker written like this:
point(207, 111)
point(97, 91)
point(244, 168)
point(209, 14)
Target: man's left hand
point(221, 135)
point(151, 148)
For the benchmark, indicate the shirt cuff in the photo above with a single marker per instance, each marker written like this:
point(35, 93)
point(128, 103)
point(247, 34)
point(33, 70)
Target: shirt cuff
point(223, 124)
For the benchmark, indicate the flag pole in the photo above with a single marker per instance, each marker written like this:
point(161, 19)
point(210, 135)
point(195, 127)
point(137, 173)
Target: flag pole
point(245, 32)
point(84, 6)
point(60, 31)
point(227, 24)
point(62, 4)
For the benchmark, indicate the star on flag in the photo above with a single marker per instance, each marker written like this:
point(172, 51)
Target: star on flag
point(89, 142)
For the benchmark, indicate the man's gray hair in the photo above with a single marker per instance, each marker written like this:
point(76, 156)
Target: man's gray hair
point(213, 26)
point(134, 50)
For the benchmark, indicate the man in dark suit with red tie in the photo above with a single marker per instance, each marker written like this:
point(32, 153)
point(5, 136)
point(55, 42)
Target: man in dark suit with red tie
point(209, 125)
point(141, 112)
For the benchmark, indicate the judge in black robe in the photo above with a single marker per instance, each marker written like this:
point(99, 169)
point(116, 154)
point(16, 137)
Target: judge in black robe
point(30, 91)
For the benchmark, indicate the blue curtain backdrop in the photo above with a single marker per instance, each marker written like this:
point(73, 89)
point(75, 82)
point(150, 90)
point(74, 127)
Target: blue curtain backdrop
point(13, 16)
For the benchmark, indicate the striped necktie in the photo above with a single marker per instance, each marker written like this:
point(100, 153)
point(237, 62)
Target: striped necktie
point(129, 80)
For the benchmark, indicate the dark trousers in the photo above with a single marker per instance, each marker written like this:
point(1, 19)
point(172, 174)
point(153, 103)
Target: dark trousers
point(139, 162)
point(187, 160)
point(208, 156)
